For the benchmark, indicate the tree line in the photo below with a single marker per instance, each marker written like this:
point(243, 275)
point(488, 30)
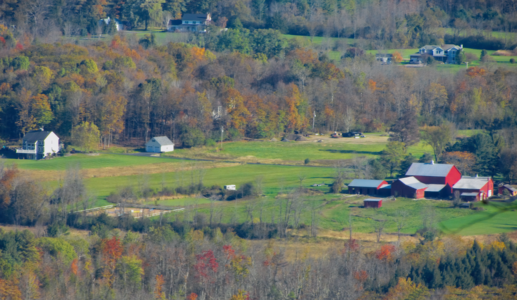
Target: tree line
point(387, 24)
point(210, 264)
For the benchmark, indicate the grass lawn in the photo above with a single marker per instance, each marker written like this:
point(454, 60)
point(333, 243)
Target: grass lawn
point(333, 212)
point(274, 178)
point(494, 219)
point(87, 162)
point(370, 146)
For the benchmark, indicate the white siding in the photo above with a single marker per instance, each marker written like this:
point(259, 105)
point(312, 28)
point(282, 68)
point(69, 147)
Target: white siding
point(51, 145)
point(168, 148)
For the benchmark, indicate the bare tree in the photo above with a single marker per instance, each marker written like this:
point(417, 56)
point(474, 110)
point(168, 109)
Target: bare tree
point(401, 220)
point(379, 224)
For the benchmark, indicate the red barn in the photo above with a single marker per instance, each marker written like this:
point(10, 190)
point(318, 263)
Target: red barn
point(436, 174)
point(369, 187)
point(408, 187)
point(468, 186)
point(374, 203)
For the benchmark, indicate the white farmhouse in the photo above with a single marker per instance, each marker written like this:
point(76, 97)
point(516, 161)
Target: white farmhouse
point(108, 20)
point(39, 144)
point(159, 144)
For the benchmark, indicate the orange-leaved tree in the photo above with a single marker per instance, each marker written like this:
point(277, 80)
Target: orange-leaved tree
point(397, 57)
point(111, 251)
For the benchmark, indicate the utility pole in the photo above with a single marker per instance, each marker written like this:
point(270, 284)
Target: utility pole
point(222, 131)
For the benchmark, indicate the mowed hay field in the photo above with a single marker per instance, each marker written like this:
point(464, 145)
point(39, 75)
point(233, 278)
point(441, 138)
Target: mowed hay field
point(296, 152)
point(274, 178)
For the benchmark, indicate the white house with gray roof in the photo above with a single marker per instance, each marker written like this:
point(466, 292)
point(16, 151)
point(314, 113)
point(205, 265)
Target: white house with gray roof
point(39, 144)
point(190, 23)
point(446, 54)
point(159, 144)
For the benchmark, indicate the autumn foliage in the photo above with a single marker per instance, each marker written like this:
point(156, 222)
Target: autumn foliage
point(385, 253)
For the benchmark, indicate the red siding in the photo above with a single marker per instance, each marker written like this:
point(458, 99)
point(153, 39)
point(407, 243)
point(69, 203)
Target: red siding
point(453, 177)
point(431, 180)
point(489, 186)
point(374, 204)
point(399, 189)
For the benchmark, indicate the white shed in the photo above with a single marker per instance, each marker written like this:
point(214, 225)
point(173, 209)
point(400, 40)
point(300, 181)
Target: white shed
point(159, 144)
point(230, 187)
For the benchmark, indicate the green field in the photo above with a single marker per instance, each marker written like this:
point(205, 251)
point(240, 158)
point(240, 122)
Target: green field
point(274, 178)
point(496, 218)
point(295, 151)
point(87, 162)
point(333, 211)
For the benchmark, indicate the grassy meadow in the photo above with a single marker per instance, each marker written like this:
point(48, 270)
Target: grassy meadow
point(87, 162)
point(296, 152)
point(106, 173)
point(333, 214)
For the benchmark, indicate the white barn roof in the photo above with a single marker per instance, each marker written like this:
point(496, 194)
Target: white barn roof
point(429, 169)
point(162, 140)
point(413, 182)
point(471, 183)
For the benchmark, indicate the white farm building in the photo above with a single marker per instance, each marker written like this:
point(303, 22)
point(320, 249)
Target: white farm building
point(39, 144)
point(159, 144)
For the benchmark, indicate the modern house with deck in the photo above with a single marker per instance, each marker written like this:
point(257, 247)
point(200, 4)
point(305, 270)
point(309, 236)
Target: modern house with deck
point(39, 144)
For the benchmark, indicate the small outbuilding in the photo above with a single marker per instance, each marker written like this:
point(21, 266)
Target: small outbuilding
point(230, 187)
point(369, 187)
point(373, 203)
point(159, 144)
point(511, 190)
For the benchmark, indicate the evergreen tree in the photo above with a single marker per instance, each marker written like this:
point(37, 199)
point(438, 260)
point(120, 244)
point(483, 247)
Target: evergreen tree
point(406, 164)
point(464, 282)
point(425, 158)
point(478, 273)
point(502, 274)
point(435, 278)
